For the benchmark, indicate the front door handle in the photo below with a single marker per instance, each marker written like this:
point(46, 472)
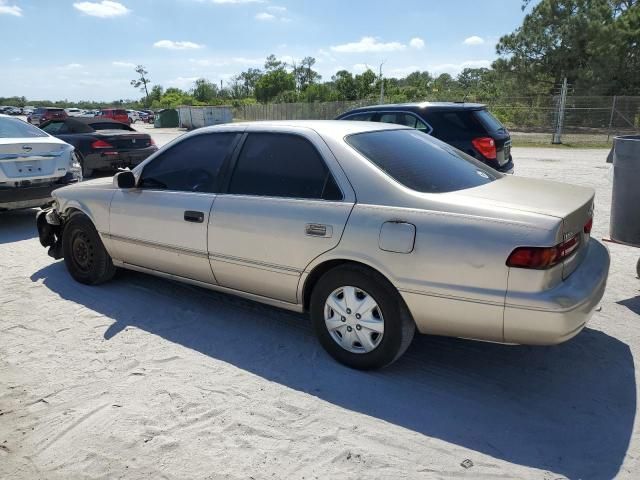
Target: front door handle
point(192, 216)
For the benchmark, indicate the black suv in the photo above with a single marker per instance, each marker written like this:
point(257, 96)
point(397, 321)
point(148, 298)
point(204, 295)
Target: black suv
point(467, 126)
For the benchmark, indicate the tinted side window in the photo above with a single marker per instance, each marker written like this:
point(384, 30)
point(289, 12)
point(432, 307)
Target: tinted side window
point(192, 165)
point(361, 117)
point(282, 165)
point(405, 119)
point(420, 162)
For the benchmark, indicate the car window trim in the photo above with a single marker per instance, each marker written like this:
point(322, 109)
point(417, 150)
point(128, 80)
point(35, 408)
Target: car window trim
point(219, 181)
point(234, 163)
point(377, 113)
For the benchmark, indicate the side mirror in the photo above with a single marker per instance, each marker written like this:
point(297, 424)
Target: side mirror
point(124, 179)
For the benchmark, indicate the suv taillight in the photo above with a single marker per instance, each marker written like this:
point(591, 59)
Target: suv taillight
point(541, 258)
point(486, 146)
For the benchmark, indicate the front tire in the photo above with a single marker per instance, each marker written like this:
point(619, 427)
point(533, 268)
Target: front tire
point(360, 318)
point(84, 254)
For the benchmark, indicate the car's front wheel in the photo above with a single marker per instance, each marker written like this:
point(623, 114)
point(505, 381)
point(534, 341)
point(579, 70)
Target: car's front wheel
point(84, 254)
point(359, 318)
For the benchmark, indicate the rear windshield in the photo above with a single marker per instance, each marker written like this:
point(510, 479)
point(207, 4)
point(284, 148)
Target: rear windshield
point(55, 110)
point(110, 126)
point(489, 121)
point(14, 128)
point(421, 162)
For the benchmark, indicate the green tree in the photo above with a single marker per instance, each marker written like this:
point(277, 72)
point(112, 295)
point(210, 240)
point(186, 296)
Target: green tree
point(345, 85)
point(594, 43)
point(275, 81)
point(204, 90)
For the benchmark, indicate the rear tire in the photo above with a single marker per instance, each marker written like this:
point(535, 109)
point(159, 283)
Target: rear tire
point(86, 172)
point(388, 332)
point(84, 254)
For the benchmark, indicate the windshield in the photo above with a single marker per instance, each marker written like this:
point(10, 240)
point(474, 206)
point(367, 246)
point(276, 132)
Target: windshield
point(490, 122)
point(421, 162)
point(14, 128)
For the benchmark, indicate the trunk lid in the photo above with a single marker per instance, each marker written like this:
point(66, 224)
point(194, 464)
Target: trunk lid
point(26, 159)
point(125, 140)
point(571, 204)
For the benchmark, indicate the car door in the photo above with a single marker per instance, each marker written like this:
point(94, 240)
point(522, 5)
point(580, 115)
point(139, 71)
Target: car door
point(162, 223)
point(287, 201)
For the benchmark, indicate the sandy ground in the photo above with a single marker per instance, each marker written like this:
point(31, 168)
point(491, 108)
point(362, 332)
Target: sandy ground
point(145, 378)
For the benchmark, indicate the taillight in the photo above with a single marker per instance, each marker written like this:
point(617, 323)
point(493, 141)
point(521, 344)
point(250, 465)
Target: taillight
point(541, 258)
point(486, 146)
point(152, 141)
point(101, 144)
point(588, 226)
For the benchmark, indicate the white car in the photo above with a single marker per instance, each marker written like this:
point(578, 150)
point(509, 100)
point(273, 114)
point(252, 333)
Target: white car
point(134, 116)
point(32, 165)
point(74, 112)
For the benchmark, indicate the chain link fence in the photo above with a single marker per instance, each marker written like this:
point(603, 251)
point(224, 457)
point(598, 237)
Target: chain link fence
point(588, 120)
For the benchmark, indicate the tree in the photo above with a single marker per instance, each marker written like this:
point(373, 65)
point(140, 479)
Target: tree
point(156, 93)
point(594, 43)
point(142, 81)
point(204, 90)
point(365, 83)
point(345, 84)
point(275, 81)
point(249, 80)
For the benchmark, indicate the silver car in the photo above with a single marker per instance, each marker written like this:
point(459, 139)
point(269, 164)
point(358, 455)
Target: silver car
point(376, 230)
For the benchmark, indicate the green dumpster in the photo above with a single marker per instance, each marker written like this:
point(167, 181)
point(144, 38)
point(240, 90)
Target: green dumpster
point(167, 118)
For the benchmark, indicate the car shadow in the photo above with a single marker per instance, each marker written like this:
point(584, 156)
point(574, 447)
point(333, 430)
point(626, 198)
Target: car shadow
point(632, 304)
point(567, 409)
point(17, 225)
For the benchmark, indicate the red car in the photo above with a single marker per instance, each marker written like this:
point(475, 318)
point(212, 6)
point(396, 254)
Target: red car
point(43, 114)
point(117, 114)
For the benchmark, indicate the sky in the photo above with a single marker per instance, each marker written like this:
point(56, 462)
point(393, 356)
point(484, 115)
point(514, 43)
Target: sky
point(87, 50)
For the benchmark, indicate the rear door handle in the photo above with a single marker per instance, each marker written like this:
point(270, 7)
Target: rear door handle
point(192, 216)
point(318, 230)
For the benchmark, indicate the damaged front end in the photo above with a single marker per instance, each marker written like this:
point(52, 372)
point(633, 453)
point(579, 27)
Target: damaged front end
point(50, 228)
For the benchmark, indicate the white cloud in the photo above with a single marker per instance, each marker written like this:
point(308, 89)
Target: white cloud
point(73, 65)
point(416, 43)
point(13, 10)
point(123, 64)
point(277, 9)
point(473, 40)
point(368, 44)
point(103, 9)
point(171, 45)
point(360, 67)
point(182, 82)
point(224, 62)
point(264, 17)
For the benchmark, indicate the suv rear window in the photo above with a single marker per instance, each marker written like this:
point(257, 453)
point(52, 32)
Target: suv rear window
point(420, 162)
point(489, 121)
point(452, 125)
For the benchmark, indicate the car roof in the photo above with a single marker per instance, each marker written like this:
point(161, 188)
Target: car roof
point(83, 124)
point(332, 128)
point(432, 106)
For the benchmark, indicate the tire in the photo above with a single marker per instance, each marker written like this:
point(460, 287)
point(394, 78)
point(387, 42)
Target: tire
point(84, 254)
point(379, 350)
point(86, 172)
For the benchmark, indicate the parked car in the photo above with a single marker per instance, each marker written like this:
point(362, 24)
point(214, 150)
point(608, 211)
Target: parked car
point(117, 114)
point(74, 112)
point(32, 164)
point(133, 115)
point(374, 229)
point(469, 127)
point(12, 111)
point(102, 143)
point(42, 114)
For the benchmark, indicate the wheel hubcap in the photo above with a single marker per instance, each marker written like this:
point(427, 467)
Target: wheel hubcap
point(353, 319)
point(82, 251)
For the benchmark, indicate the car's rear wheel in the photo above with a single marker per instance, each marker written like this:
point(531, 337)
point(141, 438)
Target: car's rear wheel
point(359, 318)
point(86, 172)
point(84, 254)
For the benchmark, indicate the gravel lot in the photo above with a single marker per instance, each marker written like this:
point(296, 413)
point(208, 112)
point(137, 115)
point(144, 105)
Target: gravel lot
point(145, 378)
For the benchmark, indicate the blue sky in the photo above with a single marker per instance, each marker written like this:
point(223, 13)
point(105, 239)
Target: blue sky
point(72, 49)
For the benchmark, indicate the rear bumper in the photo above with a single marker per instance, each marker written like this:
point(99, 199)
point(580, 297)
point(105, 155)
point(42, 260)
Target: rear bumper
point(559, 314)
point(31, 196)
point(100, 161)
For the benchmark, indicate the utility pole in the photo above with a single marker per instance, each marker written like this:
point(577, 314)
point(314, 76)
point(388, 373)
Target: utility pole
point(557, 136)
point(381, 84)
